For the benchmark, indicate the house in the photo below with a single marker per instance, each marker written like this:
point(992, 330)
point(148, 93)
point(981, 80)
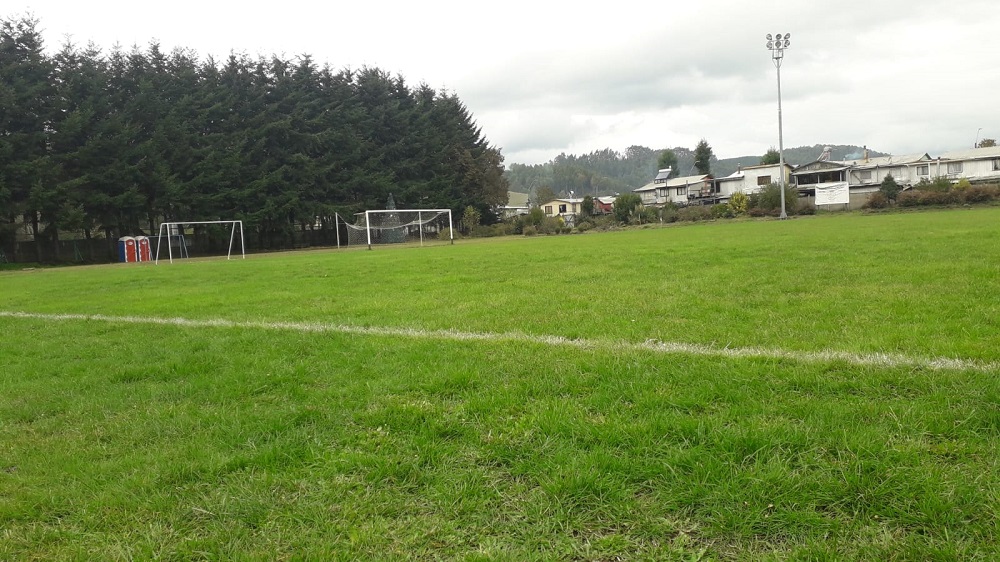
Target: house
point(567, 209)
point(517, 204)
point(751, 179)
point(975, 165)
point(604, 205)
point(866, 175)
point(679, 191)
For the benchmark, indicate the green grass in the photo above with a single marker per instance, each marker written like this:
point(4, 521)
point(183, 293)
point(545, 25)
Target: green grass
point(122, 441)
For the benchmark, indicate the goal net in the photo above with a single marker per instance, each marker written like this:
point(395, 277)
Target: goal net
point(176, 239)
point(401, 226)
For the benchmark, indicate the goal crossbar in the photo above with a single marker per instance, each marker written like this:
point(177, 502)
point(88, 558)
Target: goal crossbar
point(166, 226)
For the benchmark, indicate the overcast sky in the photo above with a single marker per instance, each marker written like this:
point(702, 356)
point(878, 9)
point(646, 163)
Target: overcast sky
point(542, 78)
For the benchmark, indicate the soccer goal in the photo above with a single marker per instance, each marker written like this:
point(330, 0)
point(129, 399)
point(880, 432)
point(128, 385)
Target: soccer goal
point(174, 233)
point(400, 226)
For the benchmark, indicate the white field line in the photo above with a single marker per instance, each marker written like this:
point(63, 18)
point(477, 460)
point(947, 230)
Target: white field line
point(655, 346)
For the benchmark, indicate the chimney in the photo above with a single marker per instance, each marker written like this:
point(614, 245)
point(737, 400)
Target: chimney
point(866, 153)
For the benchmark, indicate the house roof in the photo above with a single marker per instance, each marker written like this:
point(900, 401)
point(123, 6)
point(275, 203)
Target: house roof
point(517, 199)
point(566, 200)
point(884, 161)
point(762, 166)
point(688, 180)
point(972, 153)
point(606, 200)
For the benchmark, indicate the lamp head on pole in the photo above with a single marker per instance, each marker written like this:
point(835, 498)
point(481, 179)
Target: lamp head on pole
point(777, 45)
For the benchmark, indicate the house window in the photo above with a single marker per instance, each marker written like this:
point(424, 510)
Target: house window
point(548, 209)
point(923, 170)
point(562, 208)
point(763, 180)
point(954, 168)
point(996, 165)
point(866, 175)
point(682, 191)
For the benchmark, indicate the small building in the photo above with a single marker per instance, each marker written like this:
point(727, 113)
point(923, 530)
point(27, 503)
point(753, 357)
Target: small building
point(567, 209)
point(517, 205)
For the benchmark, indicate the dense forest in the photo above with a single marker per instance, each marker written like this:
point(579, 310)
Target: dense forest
point(100, 145)
point(606, 172)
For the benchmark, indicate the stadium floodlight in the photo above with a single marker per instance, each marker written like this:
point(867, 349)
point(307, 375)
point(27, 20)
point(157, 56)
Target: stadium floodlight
point(777, 45)
point(174, 232)
point(397, 226)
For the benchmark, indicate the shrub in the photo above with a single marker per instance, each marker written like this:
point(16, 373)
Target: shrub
point(877, 200)
point(668, 214)
point(769, 198)
point(756, 212)
point(722, 211)
point(909, 198)
point(981, 194)
point(625, 204)
point(962, 185)
point(445, 234)
point(529, 230)
point(889, 188)
point(739, 202)
point(584, 226)
point(695, 213)
point(939, 184)
point(551, 225)
point(483, 231)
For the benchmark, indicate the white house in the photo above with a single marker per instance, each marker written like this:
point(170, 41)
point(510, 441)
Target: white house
point(680, 191)
point(866, 175)
point(751, 179)
point(975, 165)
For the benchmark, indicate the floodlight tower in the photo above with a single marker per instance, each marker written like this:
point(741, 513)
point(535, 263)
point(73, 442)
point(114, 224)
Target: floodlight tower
point(777, 45)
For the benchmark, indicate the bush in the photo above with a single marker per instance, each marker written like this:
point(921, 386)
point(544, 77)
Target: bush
point(921, 198)
point(939, 184)
point(668, 214)
point(551, 225)
point(584, 226)
point(722, 211)
point(769, 198)
point(877, 200)
point(445, 234)
point(529, 230)
point(981, 194)
point(625, 205)
point(739, 203)
point(695, 213)
point(756, 212)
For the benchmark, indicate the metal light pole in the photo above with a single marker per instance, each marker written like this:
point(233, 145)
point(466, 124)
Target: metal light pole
point(777, 46)
point(976, 144)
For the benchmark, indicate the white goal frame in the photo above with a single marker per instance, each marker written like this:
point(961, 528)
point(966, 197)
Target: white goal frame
point(419, 212)
point(166, 226)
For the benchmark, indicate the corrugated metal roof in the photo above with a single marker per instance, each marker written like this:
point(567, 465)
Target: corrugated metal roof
point(687, 180)
point(883, 161)
point(972, 153)
point(517, 199)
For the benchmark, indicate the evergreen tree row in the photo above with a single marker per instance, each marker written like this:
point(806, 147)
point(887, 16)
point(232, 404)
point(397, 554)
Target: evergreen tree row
point(113, 143)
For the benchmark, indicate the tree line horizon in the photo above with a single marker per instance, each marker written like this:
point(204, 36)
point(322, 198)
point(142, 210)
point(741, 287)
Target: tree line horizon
point(110, 144)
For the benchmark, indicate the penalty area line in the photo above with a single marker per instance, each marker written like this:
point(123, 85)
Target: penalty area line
point(655, 346)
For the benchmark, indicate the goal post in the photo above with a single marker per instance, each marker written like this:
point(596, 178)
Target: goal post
point(175, 230)
point(397, 226)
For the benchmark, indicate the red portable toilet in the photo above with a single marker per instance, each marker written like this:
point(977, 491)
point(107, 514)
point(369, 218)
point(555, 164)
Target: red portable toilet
point(142, 251)
point(126, 249)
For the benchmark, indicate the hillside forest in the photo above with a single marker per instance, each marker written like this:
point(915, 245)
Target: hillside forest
point(104, 144)
point(608, 172)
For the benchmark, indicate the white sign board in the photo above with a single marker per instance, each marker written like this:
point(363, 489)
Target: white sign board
point(836, 193)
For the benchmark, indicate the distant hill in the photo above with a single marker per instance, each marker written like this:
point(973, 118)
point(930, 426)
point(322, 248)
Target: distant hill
point(606, 172)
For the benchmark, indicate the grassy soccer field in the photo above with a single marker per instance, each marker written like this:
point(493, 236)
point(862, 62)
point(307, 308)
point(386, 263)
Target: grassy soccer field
point(820, 388)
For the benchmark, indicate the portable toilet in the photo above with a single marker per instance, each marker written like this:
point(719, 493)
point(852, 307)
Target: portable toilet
point(126, 249)
point(142, 249)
